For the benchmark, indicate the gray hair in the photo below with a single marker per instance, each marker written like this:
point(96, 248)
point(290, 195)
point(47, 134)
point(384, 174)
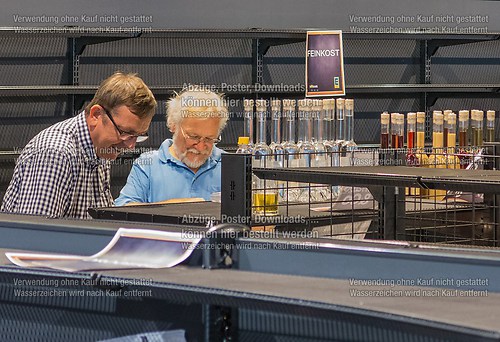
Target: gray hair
point(202, 104)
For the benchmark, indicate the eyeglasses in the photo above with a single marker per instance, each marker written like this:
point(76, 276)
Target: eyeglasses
point(196, 139)
point(126, 135)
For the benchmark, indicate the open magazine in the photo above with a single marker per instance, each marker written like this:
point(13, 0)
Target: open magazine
point(129, 248)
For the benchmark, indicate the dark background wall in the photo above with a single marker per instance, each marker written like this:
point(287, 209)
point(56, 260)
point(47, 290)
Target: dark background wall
point(36, 64)
point(272, 14)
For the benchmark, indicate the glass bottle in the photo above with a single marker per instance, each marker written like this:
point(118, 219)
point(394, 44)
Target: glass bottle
point(490, 126)
point(292, 192)
point(321, 157)
point(329, 121)
point(463, 138)
point(445, 128)
point(384, 131)
point(248, 121)
point(423, 160)
point(243, 145)
point(394, 130)
point(340, 123)
point(452, 160)
point(477, 127)
point(349, 127)
point(411, 126)
point(275, 145)
point(401, 130)
point(265, 193)
point(306, 147)
point(437, 158)
point(411, 156)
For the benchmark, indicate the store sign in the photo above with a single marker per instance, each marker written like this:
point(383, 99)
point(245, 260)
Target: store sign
point(324, 63)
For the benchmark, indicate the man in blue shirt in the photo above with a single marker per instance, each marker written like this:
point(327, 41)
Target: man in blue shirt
point(189, 164)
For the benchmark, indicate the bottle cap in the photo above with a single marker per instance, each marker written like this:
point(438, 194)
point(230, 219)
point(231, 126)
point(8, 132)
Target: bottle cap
point(421, 117)
point(452, 119)
point(260, 104)
point(490, 115)
point(349, 104)
point(248, 104)
point(317, 105)
point(480, 115)
point(463, 115)
point(243, 140)
point(384, 118)
point(276, 104)
point(394, 118)
point(437, 117)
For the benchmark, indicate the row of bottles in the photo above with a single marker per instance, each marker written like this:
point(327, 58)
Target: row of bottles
point(323, 125)
point(445, 153)
point(473, 132)
point(325, 128)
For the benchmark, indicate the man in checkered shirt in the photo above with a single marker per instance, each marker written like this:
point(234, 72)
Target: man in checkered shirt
point(65, 169)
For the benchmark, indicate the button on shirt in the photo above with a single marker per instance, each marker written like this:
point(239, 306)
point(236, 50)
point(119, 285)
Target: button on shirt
point(58, 174)
point(158, 176)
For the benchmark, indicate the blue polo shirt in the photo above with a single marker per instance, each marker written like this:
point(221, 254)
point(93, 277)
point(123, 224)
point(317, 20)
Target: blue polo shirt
point(158, 176)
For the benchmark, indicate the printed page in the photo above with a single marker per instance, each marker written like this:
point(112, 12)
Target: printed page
point(129, 248)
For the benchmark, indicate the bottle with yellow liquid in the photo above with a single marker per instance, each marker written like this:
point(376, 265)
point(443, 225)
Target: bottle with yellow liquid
point(437, 158)
point(477, 128)
point(423, 160)
point(265, 192)
point(411, 157)
point(463, 138)
point(452, 161)
point(490, 126)
point(291, 150)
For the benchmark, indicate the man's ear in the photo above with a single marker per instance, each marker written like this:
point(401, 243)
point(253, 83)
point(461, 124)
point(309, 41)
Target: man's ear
point(172, 128)
point(94, 116)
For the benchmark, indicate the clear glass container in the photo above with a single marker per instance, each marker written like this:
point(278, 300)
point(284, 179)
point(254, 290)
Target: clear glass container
point(265, 192)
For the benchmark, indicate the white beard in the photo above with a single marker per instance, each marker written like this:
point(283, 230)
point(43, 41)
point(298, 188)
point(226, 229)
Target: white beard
point(192, 164)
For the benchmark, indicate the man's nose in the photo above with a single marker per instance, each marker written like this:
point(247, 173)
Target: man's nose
point(130, 143)
point(201, 145)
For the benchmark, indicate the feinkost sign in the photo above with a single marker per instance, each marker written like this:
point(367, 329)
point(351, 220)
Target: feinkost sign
point(324, 64)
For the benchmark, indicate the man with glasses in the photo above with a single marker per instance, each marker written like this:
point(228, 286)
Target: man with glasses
point(188, 165)
point(65, 169)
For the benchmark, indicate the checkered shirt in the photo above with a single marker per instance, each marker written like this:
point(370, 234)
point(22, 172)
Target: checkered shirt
point(58, 174)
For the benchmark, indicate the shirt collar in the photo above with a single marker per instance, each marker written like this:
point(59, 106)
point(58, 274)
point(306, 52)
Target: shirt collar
point(84, 137)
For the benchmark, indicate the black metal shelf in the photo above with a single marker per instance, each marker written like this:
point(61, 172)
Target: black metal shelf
point(47, 90)
point(252, 33)
point(487, 181)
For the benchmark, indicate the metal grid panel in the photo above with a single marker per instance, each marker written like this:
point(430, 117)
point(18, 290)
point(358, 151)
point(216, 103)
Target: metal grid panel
point(485, 49)
point(33, 46)
point(28, 107)
point(381, 61)
point(33, 60)
point(195, 61)
point(374, 48)
point(430, 208)
point(367, 115)
point(32, 73)
point(169, 74)
point(171, 47)
point(285, 64)
point(366, 62)
point(467, 63)
point(16, 134)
